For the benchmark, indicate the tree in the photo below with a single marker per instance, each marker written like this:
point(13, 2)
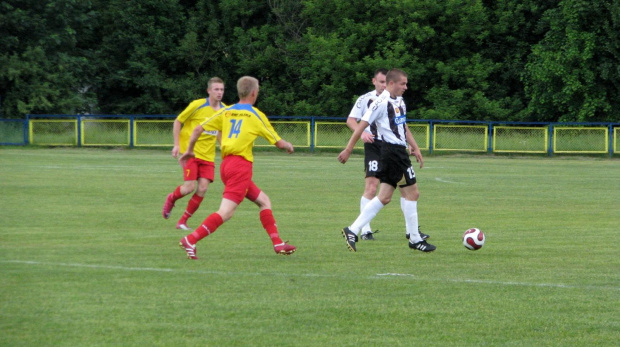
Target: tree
point(43, 68)
point(571, 75)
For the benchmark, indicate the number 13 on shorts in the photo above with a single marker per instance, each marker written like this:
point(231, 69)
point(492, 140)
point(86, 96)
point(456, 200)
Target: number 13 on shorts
point(410, 172)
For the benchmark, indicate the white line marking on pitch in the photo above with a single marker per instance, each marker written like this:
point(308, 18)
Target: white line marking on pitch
point(377, 276)
point(445, 181)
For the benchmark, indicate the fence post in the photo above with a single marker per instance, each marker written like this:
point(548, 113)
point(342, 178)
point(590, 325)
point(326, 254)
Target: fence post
point(26, 128)
point(79, 130)
point(610, 134)
point(490, 138)
point(312, 120)
point(131, 130)
point(550, 147)
point(430, 137)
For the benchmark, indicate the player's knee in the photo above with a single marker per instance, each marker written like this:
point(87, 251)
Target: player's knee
point(202, 188)
point(189, 186)
point(370, 190)
point(371, 185)
point(226, 214)
point(385, 200)
point(262, 201)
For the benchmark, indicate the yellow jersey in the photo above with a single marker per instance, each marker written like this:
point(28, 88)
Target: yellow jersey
point(240, 125)
point(196, 112)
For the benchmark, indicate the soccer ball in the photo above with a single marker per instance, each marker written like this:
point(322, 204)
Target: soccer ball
point(473, 239)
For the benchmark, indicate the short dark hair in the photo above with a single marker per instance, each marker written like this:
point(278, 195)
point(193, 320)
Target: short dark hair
point(380, 71)
point(214, 80)
point(395, 75)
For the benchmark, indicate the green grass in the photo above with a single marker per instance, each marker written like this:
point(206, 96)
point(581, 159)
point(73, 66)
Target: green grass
point(87, 260)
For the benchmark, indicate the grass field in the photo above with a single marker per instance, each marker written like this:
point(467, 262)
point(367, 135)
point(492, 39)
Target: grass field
point(86, 258)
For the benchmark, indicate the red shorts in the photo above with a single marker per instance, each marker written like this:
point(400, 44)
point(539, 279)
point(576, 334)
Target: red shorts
point(198, 168)
point(236, 173)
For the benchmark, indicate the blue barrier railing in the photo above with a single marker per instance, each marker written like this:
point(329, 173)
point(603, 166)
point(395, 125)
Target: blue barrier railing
point(16, 131)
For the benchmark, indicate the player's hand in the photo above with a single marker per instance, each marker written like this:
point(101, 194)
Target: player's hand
point(367, 137)
point(410, 149)
point(418, 156)
point(185, 157)
point(344, 156)
point(175, 151)
point(289, 148)
point(285, 145)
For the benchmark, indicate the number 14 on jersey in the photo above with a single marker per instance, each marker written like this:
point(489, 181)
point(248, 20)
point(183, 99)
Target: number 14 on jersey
point(235, 128)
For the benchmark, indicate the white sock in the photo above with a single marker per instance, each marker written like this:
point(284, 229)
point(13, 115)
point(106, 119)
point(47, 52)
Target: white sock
point(402, 208)
point(368, 213)
point(410, 211)
point(363, 202)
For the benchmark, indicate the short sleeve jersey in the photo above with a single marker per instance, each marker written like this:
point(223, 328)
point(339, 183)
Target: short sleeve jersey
point(240, 125)
point(196, 112)
point(390, 116)
point(361, 106)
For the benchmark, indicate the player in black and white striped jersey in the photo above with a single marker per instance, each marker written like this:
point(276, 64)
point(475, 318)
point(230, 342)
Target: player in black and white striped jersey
point(388, 113)
point(372, 144)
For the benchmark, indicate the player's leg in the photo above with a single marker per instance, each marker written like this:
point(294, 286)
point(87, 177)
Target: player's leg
point(368, 213)
point(372, 154)
point(407, 227)
point(208, 227)
point(371, 184)
point(190, 175)
point(206, 174)
point(411, 195)
point(235, 181)
point(236, 178)
point(267, 219)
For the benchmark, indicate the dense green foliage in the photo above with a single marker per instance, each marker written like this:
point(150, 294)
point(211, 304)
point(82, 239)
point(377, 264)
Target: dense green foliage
point(527, 60)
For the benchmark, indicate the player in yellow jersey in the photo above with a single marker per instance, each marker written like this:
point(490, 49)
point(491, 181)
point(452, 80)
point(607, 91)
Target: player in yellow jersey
point(198, 171)
point(239, 124)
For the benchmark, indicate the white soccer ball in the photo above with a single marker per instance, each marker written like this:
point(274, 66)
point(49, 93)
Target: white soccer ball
point(473, 239)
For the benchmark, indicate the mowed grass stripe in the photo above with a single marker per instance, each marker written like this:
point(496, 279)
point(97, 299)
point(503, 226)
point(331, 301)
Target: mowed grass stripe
point(86, 258)
point(395, 276)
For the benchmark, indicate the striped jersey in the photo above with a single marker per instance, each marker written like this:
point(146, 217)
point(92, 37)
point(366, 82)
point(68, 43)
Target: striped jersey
point(240, 125)
point(361, 106)
point(390, 116)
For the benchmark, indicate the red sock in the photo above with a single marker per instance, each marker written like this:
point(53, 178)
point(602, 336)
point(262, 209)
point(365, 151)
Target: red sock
point(192, 206)
point(269, 223)
point(176, 195)
point(207, 228)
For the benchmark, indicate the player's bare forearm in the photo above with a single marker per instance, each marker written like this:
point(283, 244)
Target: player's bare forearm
point(190, 146)
point(366, 137)
point(194, 138)
point(285, 145)
point(346, 153)
point(176, 131)
point(414, 148)
point(352, 123)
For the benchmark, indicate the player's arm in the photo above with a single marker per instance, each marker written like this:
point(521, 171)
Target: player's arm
point(366, 135)
point(176, 131)
point(285, 145)
point(414, 149)
point(352, 123)
point(190, 147)
point(346, 153)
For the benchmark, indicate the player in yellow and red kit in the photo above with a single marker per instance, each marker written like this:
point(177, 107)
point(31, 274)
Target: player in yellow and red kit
point(200, 170)
point(239, 124)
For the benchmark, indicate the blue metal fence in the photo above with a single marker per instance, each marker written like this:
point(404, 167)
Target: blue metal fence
point(18, 131)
